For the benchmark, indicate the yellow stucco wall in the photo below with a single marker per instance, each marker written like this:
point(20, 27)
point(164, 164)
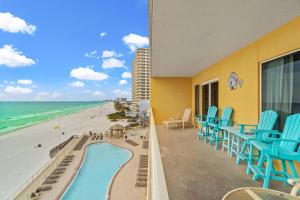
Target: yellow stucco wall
point(169, 97)
point(244, 100)
point(246, 63)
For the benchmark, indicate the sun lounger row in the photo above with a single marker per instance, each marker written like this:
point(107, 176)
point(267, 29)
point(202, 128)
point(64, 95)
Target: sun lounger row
point(142, 174)
point(55, 175)
point(242, 139)
point(81, 143)
point(97, 137)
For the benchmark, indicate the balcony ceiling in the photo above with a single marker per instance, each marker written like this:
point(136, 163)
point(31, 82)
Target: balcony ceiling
point(187, 36)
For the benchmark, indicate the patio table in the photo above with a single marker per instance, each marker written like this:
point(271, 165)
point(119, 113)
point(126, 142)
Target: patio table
point(254, 193)
point(237, 138)
point(226, 131)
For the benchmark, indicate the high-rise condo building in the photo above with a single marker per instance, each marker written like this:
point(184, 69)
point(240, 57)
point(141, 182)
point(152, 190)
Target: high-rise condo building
point(140, 78)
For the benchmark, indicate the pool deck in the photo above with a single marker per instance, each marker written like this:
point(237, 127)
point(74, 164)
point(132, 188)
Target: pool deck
point(123, 185)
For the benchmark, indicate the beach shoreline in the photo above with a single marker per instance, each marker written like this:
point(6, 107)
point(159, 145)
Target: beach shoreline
point(51, 118)
point(19, 157)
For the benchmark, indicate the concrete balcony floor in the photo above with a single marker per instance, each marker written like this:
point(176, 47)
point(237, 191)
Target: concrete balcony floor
point(195, 170)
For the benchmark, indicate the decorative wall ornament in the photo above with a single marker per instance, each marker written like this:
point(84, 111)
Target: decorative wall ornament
point(234, 81)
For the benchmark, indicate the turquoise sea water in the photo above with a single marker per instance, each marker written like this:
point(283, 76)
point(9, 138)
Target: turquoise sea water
point(16, 115)
point(101, 163)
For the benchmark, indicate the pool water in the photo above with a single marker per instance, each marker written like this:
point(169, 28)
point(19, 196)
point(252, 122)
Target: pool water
point(102, 161)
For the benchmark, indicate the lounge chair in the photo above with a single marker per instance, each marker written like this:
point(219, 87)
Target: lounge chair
point(44, 188)
point(141, 184)
point(51, 177)
point(63, 164)
point(49, 182)
point(286, 149)
point(60, 168)
point(176, 120)
point(143, 170)
point(57, 172)
point(142, 173)
point(204, 120)
point(141, 178)
point(67, 161)
point(131, 142)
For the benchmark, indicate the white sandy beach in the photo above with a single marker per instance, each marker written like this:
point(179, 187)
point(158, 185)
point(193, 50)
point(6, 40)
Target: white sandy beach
point(19, 159)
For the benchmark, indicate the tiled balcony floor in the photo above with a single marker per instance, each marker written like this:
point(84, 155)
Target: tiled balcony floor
point(195, 170)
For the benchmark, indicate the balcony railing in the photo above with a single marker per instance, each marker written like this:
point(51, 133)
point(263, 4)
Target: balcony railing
point(157, 187)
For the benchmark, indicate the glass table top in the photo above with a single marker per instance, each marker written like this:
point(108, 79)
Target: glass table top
point(257, 194)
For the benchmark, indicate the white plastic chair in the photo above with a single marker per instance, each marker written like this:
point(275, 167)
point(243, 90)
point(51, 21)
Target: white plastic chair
point(183, 120)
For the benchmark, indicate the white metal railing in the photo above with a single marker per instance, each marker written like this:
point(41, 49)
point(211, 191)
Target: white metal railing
point(157, 187)
point(34, 181)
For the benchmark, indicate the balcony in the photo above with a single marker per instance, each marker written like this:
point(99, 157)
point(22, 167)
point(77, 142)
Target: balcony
point(194, 170)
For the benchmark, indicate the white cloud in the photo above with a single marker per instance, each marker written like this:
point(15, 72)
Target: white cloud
point(55, 95)
point(109, 54)
point(86, 73)
point(116, 91)
point(125, 93)
point(77, 84)
point(13, 58)
point(8, 82)
point(103, 34)
point(42, 94)
point(112, 63)
point(92, 54)
point(134, 41)
point(17, 90)
point(123, 82)
point(25, 82)
point(98, 93)
point(126, 75)
point(12, 24)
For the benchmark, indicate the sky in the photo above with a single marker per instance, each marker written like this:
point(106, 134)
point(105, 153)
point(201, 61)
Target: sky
point(79, 50)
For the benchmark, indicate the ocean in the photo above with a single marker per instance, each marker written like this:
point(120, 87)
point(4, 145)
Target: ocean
point(16, 115)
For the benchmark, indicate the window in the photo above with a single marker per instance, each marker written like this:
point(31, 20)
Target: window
point(280, 86)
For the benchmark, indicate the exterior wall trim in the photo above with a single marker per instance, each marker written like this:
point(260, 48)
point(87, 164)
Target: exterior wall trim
point(210, 81)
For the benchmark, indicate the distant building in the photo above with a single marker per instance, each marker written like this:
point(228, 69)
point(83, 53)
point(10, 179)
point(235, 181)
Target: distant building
point(140, 78)
point(121, 100)
point(144, 108)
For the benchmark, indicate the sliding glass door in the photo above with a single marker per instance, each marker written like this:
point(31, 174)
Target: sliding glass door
point(210, 95)
point(280, 86)
point(197, 100)
point(205, 98)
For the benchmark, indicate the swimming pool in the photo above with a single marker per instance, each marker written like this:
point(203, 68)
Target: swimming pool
point(102, 161)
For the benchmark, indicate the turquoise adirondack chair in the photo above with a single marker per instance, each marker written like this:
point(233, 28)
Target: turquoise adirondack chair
point(224, 121)
point(204, 120)
point(286, 149)
point(240, 140)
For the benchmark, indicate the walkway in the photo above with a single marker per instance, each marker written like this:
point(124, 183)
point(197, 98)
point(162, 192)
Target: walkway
point(195, 170)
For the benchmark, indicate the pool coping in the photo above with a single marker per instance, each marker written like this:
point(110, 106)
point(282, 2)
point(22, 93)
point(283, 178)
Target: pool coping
point(108, 193)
